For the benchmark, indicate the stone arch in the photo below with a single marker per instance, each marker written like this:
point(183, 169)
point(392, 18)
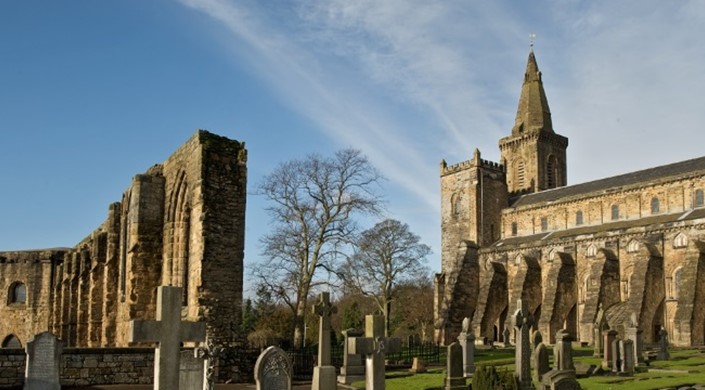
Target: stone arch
point(178, 240)
point(492, 301)
point(680, 241)
point(632, 246)
point(591, 251)
point(646, 287)
point(526, 284)
point(559, 297)
point(11, 341)
point(602, 291)
point(17, 293)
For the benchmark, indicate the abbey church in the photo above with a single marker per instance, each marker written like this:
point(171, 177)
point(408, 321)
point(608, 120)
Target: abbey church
point(624, 252)
point(180, 223)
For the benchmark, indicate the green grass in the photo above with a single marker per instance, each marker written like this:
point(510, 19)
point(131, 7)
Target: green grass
point(690, 360)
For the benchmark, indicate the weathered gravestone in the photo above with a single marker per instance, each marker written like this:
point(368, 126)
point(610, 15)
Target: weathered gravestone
point(273, 370)
point(43, 362)
point(663, 345)
point(467, 343)
point(563, 351)
point(455, 378)
point(506, 335)
point(374, 346)
point(418, 366)
point(608, 337)
point(540, 362)
point(616, 356)
point(597, 334)
point(352, 369)
point(632, 332)
point(324, 372)
point(560, 380)
point(536, 339)
point(169, 331)
point(191, 372)
point(522, 324)
point(626, 349)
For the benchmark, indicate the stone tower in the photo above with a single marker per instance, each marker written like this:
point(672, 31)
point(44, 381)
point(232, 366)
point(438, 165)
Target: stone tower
point(534, 156)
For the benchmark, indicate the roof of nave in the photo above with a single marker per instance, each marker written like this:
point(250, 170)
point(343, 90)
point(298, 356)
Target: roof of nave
point(617, 226)
point(682, 168)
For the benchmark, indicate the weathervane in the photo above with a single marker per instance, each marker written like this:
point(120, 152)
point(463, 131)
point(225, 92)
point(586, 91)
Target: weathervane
point(532, 37)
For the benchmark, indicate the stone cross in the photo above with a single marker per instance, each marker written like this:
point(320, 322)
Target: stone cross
point(374, 346)
point(663, 344)
point(43, 367)
point(324, 373)
point(169, 331)
point(467, 343)
point(522, 323)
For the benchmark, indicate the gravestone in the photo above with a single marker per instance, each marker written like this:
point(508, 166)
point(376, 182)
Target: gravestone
point(273, 370)
point(455, 378)
point(626, 349)
point(563, 351)
point(522, 324)
point(352, 369)
point(467, 343)
point(191, 372)
point(43, 368)
point(560, 380)
point(598, 341)
point(607, 337)
point(540, 361)
point(636, 335)
point(324, 372)
point(169, 331)
point(374, 346)
point(663, 345)
point(418, 366)
point(506, 335)
point(616, 356)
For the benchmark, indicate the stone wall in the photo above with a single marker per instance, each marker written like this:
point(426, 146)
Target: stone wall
point(84, 366)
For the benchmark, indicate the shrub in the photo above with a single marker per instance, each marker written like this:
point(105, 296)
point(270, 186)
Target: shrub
point(489, 378)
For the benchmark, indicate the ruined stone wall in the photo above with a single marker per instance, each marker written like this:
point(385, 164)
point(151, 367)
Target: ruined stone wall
point(31, 271)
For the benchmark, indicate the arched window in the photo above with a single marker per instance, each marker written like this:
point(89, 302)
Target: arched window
point(579, 218)
point(699, 200)
point(514, 228)
point(520, 174)
point(681, 241)
point(11, 341)
point(654, 205)
point(591, 251)
point(17, 293)
point(633, 246)
point(553, 176)
point(551, 255)
point(615, 212)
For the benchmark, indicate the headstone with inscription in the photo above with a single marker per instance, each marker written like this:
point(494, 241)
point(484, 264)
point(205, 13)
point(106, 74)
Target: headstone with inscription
point(352, 369)
point(169, 331)
point(191, 372)
point(273, 370)
point(43, 368)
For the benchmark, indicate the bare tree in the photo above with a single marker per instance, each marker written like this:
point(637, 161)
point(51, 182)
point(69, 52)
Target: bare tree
point(313, 205)
point(386, 255)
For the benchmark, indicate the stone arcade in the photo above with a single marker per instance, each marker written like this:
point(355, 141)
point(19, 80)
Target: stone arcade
point(582, 257)
point(181, 223)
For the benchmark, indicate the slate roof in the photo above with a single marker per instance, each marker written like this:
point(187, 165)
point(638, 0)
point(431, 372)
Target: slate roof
point(671, 170)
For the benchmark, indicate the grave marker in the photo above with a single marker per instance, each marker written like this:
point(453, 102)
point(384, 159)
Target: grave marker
point(374, 346)
point(540, 360)
point(455, 378)
point(522, 323)
point(169, 331)
point(467, 343)
point(273, 370)
point(663, 345)
point(43, 362)
point(191, 371)
point(324, 372)
point(352, 369)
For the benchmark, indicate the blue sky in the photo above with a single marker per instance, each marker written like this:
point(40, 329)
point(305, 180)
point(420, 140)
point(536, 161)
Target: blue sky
point(94, 92)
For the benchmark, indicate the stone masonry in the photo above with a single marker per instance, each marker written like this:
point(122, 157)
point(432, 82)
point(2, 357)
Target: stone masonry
point(181, 223)
point(617, 253)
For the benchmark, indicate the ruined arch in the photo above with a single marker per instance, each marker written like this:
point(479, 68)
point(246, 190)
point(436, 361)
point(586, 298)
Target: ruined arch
point(11, 341)
point(492, 307)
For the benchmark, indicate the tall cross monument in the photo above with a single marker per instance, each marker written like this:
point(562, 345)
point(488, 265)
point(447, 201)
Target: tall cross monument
point(324, 372)
point(169, 331)
point(522, 323)
point(374, 346)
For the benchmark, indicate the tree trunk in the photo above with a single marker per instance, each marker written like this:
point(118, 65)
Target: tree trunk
point(299, 323)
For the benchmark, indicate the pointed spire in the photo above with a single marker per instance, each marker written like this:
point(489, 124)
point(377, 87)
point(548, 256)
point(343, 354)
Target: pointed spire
point(533, 113)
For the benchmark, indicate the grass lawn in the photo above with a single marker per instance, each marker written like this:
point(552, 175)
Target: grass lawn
point(685, 367)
